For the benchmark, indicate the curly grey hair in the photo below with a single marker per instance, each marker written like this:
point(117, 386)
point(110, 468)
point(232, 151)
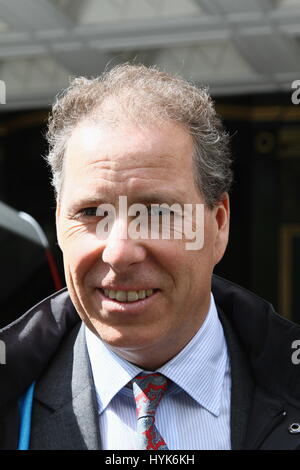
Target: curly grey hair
point(145, 93)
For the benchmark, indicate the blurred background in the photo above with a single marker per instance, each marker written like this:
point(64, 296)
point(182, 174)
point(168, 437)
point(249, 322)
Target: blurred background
point(246, 51)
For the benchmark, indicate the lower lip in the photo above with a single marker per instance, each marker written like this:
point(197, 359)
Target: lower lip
point(137, 306)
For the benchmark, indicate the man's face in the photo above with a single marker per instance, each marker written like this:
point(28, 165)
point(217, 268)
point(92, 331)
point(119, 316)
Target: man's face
point(148, 165)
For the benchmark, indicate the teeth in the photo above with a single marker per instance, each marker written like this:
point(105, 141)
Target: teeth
point(112, 294)
point(121, 296)
point(130, 296)
point(142, 294)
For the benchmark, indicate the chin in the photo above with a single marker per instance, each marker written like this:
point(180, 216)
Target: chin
point(125, 338)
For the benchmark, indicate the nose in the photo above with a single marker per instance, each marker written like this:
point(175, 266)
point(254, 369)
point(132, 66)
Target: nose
point(120, 252)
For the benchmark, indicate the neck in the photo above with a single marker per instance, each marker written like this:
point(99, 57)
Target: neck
point(156, 355)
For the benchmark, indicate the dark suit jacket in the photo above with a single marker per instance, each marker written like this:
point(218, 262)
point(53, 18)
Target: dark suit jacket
point(265, 383)
point(65, 408)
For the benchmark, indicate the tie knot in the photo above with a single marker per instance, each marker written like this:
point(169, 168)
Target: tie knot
point(148, 390)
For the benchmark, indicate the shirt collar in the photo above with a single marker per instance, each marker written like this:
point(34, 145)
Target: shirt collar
point(198, 369)
point(110, 371)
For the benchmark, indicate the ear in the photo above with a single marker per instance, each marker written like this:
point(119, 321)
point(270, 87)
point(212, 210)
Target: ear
point(57, 220)
point(221, 217)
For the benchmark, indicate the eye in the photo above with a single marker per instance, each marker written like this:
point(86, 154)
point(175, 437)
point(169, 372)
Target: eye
point(156, 210)
point(85, 213)
point(88, 212)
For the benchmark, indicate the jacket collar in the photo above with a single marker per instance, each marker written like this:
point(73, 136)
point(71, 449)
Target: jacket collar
point(242, 386)
point(265, 337)
point(31, 341)
point(65, 408)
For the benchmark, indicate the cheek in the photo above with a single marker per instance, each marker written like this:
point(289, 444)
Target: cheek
point(190, 268)
point(175, 260)
point(80, 254)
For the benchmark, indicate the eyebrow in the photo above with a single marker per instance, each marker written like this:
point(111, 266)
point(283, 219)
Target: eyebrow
point(157, 198)
point(88, 201)
point(146, 198)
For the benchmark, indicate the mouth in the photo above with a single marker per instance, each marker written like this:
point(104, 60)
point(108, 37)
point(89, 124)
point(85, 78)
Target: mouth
point(127, 296)
point(131, 302)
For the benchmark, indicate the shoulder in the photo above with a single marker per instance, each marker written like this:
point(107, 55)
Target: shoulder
point(266, 338)
point(32, 340)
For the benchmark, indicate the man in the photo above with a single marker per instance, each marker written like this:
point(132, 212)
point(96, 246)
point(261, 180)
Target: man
point(143, 320)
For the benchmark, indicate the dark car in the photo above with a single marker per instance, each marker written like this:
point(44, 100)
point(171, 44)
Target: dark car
point(28, 269)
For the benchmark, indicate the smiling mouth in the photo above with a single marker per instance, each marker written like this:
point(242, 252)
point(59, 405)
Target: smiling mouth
point(127, 296)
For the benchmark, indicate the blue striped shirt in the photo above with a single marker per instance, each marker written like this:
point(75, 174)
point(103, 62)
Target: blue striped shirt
point(194, 412)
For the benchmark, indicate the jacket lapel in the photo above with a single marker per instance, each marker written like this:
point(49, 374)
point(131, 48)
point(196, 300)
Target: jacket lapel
point(242, 386)
point(65, 408)
point(258, 420)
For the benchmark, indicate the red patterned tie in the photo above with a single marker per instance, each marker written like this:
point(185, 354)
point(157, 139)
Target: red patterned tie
point(148, 390)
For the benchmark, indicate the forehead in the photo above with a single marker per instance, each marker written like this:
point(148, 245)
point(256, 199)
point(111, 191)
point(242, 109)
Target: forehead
point(130, 155)
point(98, 140)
